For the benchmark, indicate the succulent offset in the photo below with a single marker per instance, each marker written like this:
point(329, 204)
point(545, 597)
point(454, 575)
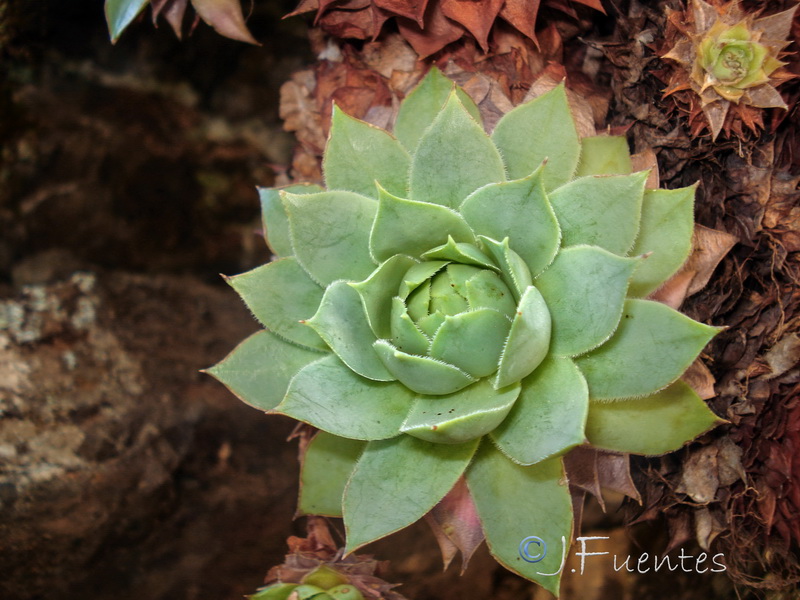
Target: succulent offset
point(464, 307)
point(731, 57)
point(323, 583)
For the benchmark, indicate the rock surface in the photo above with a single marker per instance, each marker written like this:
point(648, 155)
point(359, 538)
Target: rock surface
point(124, 471)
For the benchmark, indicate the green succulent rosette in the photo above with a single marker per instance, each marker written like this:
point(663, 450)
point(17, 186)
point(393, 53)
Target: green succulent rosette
point(458, 304)
point(730, 59)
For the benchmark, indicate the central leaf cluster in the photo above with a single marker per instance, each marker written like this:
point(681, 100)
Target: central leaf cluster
point(452, 316)
point(455, 305)
point(732, 58)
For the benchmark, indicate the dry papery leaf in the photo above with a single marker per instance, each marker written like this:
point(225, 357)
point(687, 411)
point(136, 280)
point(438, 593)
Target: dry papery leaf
point(431, 25)
point(454, 521)
point(709, 467)
point(224, 16)
point(749, 192)
point(700, 378)
point(591, 470)
point(173, 11)
point(751, 513)
point(708, 249)
point(369, 84)
point(317, 549)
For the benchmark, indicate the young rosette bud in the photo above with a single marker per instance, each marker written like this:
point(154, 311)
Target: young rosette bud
point(459, 304)
point(732, 57)
point(732, 61)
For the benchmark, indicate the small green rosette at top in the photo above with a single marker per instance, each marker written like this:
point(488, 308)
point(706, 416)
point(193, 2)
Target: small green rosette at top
point(457, 305)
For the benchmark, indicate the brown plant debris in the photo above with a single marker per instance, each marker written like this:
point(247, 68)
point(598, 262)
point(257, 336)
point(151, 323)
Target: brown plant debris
point(318, 549)
point(431, 25)
point(739, 489)
point(224, 16)
point(369, 84)
point(455, 524)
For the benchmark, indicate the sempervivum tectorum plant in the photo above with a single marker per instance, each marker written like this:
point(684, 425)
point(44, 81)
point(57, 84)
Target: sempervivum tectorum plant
point(729, 58)
point(464, 305)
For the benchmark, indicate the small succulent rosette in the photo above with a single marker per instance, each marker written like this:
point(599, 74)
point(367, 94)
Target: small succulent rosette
point(730, 58)
point(464, 305)
point(322, 583)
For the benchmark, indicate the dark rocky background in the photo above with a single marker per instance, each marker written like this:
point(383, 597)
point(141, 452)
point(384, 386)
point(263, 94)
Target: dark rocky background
point(128, 176)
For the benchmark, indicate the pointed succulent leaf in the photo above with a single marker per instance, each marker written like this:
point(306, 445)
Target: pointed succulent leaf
point(327, 465)
point(430, 325)
point(549, 417)
point(604, 155)
point(486, 290)
point(462, 253)
point(421, 474)
point(666, 231)
point(584, 289)
point(329, 396)
point(280, 294)
point(276, 591)
point(305, 591)
point(444, 299)
point(345, 591)
point(410, 227)
point(472, 341)
point(465, 415)
point(514, 502)
point(259, 369)
point(421, 106)
point(120, 14)
point(405, 335)
point(458, 275)
point(528, 339)
point(419, 274)
point(520, 211)
point(515, 272)
point(342, 323)
point(655, 424)
point(540, 130)
point(330, 234)
point(226, 17)
point(454, 158)
point(275, 221)
point(378, 289)
point(419, 301)
point(359, 154)
point(600, 210)
point(325, 577)
point(422, 374)
point(653, 341)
